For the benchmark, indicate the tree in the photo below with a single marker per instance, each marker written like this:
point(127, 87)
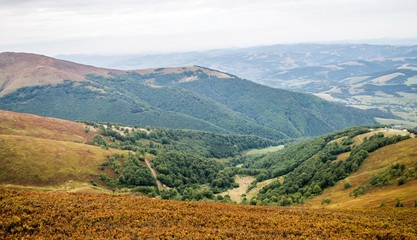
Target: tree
point(169, 194)
point(317, 189)
point(98, 140)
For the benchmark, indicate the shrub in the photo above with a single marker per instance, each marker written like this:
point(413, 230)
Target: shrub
point(358, 191)
point(401, 180)
point(399, 204)
point(93, 183)
point(326, 201)
point(347, 185)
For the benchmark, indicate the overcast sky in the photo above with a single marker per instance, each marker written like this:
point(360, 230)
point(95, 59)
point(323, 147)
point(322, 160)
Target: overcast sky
point(141, 26)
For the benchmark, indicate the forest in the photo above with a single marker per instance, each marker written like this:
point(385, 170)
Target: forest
point(196, 165)
point(185, 160)
point(314, 168)
point(165, 100)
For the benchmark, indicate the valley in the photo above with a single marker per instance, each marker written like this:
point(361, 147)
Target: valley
point(191, 151)
point(208, 120)
point(47, 153)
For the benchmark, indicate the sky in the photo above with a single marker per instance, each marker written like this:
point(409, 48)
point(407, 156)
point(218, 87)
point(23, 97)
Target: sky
point(52, 27)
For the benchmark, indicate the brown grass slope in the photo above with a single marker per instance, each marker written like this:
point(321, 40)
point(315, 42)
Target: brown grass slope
point(23, 69)
point(39, 151)
point(404, 152)
point(19, 70)
point(12, 123)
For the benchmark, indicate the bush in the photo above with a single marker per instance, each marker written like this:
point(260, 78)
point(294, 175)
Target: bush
point(347, 185)
point(358, 191)
point(326, 201)
point(93, 183)
point(401, 180)
point(399, 204)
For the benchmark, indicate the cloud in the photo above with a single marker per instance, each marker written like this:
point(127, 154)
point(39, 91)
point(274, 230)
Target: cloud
point(102, 25)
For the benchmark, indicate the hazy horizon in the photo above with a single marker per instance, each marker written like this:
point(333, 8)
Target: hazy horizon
point(109, 28)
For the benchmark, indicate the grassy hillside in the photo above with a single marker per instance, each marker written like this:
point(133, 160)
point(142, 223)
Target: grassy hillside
point(313, 166)
point(188, 97)
point(22, 69)
point(401, 153)
point(38, 151)
point(13, 123)
point(39, 162)
point(54, 215)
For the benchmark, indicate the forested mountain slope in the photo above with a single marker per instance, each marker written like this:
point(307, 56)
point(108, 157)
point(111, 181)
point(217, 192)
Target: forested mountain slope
point(361, 75)
point(187, 97)
point(306, 169)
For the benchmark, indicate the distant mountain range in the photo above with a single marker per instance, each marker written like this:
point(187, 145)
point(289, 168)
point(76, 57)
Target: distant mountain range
point(360, 75)
point(183, 97)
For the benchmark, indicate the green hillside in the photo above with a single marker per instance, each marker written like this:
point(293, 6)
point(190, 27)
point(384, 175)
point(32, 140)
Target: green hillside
point(186, 98)
point(387, 175)
point(307, 168)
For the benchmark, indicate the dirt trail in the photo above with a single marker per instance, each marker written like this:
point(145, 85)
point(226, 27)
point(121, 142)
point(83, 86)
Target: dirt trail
point(158, 183)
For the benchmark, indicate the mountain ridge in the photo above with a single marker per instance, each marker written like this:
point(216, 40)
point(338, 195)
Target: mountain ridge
point(183, 97)
point(359, 75)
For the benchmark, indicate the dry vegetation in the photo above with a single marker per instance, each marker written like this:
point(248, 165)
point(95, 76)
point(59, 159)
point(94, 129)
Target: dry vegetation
point(40, 215)
point(23, 69)
point(37, 161)
point(236, 193)
point(264, 150)
point(254, 191)
point(47, 152)
point(21, 124)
